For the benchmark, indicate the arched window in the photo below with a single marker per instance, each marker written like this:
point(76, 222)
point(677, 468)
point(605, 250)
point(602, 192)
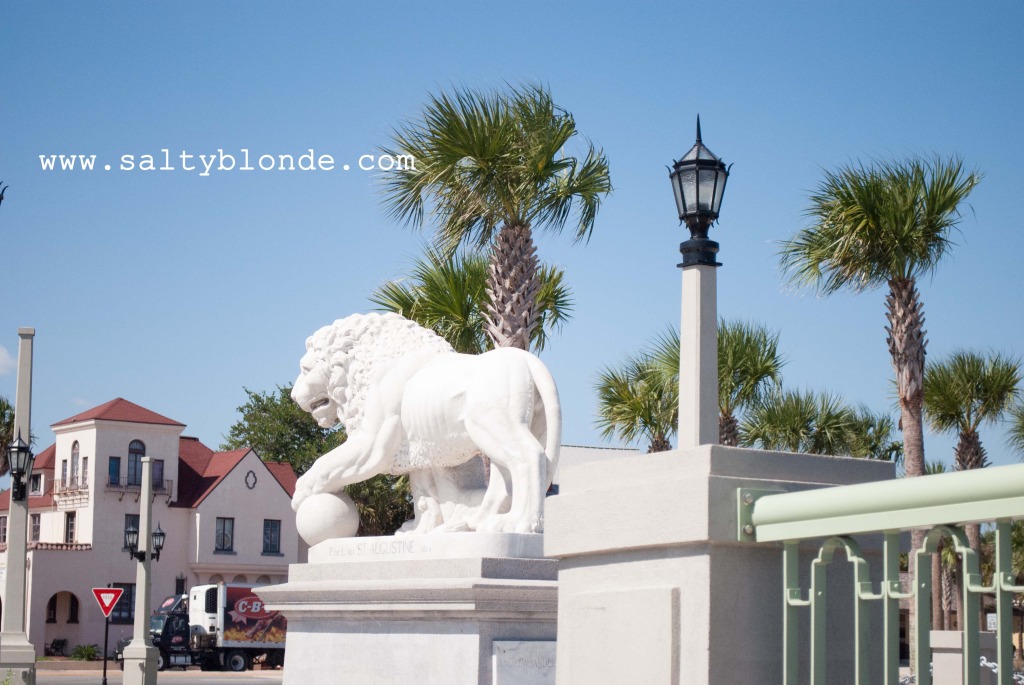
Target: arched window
point(136, 451)
point(74, 465)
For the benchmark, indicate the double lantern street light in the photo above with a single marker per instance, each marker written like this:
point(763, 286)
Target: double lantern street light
point(131, 543)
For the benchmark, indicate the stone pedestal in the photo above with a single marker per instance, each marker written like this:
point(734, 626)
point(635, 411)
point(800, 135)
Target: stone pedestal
point(415, 609)
point(654, 587)
point(948, 658)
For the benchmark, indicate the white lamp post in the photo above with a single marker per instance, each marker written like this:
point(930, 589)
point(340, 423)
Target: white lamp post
point(140, 656)
point(16, 653)
point(698, 181)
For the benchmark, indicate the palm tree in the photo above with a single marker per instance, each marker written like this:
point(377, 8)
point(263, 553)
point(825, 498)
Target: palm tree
point(795, 421)
point(963, 391)
point(634, 402)
point(749, 365)
point(887, 224)
point(1015, 436)
point(6, 432)
point(489, 168)
point(448, 294)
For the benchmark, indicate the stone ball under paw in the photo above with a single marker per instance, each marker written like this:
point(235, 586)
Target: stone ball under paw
point(326, 516)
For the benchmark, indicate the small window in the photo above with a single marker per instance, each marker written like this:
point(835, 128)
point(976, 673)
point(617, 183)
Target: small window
point(63, 473)
point(85, 471)
point(51, 610)
point(34, 526)
point(114, 471)
point(124, 610)
point(35, 484)
point(179, 586)
point(271, 536)
point(225, 537)
point(73, 610)
point(69, 527)
point(158, 475)
point(3, 530)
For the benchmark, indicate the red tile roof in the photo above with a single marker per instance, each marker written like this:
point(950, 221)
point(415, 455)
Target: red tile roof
point(119, 410)
point(285, 475)
point(201, 470)
point(45, 460)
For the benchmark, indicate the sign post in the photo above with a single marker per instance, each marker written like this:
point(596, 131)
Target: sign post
point(106, 597)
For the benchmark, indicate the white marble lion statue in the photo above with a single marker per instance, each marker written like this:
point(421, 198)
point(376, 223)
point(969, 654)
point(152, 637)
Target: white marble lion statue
point(411, 404)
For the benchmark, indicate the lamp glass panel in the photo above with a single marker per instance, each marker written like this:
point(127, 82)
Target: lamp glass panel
point(688, 186)
point(131, 538)
point(707, 189)
point(680, 204)
point(720, 190)
point(158, 539)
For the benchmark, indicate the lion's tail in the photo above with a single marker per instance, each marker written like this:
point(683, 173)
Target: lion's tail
point(552, 412)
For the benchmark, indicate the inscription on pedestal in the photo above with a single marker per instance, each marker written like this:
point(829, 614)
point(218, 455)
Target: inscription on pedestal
point(524, 663)
point(438, 546)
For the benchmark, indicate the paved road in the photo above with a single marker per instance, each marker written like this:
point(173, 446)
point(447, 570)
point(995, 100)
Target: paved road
point(190, 677)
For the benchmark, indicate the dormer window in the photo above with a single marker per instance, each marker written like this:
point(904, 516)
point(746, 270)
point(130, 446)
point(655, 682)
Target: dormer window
point(35, 486)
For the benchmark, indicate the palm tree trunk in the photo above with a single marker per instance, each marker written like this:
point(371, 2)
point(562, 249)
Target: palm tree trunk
point(937, 603)
point(947, 598)
point(970, 454)
point(512, 288)
point(907, 343)
point(659, 444)
point(728, 430)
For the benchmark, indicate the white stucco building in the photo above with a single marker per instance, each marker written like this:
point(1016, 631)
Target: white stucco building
point(227, 516)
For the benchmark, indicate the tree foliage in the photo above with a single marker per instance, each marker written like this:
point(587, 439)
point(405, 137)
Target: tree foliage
point(817, 423)
point(490, 167)
point(6, 432)
point(276, 427)
point(448, 295)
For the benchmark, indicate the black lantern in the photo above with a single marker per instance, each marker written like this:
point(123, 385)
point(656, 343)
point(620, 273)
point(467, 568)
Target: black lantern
point(158, 541)
point(131, 540)
point(698, 181)
point(19, 457)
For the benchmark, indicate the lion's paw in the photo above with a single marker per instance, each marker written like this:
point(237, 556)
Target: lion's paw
point(506, 523)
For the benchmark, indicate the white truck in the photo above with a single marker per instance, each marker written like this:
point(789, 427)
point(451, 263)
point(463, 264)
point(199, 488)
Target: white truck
point(216, 627)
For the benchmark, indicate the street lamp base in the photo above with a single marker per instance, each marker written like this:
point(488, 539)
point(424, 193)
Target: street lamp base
point(140, 661)
point(17, 657)
point(698, 251)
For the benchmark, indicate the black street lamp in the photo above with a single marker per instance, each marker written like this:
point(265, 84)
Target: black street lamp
point(698, 181)
point(131, 543)
point(19, 457)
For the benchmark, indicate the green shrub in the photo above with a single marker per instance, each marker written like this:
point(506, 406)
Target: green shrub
point(86, 652)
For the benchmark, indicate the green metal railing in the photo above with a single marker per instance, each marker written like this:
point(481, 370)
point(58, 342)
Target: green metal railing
point(936, 503)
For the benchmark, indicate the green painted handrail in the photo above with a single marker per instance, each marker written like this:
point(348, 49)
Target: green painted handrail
point(945, 498)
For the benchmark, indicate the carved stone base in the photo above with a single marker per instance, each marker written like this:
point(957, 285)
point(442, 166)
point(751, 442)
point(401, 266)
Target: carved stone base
point(17, 659)
point(415, 609)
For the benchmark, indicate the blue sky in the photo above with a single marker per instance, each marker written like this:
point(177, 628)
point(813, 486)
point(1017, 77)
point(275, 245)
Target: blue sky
point(175, 290)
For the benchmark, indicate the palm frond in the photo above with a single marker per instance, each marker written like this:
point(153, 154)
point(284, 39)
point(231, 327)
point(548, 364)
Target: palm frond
point(870, 224)
point(965, 389)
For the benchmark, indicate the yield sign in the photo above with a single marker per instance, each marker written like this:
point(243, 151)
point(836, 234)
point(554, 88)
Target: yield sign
point(107, 597)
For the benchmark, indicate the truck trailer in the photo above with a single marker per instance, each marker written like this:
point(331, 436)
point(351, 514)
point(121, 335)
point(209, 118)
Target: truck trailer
point(216, 627)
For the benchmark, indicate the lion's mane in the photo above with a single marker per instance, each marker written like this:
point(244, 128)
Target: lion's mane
point(353, 347)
